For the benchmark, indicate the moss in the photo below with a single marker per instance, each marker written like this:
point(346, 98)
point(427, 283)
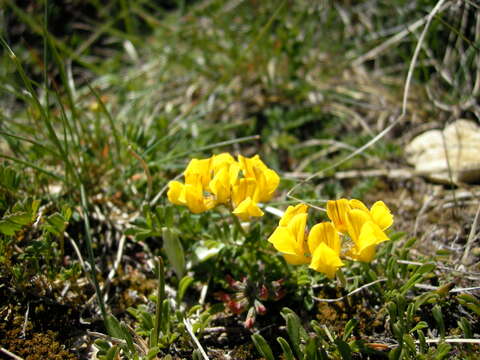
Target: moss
point(35, 345)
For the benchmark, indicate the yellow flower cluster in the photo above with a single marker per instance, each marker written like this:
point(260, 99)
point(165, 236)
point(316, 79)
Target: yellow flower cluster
point(240, 185)
point(322, 246)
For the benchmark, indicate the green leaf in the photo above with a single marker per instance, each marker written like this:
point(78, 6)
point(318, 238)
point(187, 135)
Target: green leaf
point(293, 330)
point(207, 249)
point(12, 223)
point(349, 327)
point(437, 315)
point(165, 325)
point(421, 325)
point(442, 350)
point(127, 337)
point(152, 354)
point(422, 343)
point(311, 350)
point(113, 326)
point(470, 302)
point(425, 268)
point(197, 355)
point(112, 353)
point(182, 287)
point(344, 349)
point(287, 350)
point(410, 342)
point(56, 224)
point(9, 178)
point(262, 346)
point(174, 250)
point(102, 345)
point(465, 326)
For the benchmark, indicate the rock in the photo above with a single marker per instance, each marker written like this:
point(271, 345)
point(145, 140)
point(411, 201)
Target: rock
point(456, 147)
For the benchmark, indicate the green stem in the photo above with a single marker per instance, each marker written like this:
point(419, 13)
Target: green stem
point(341, 278)
point(160, 297)
point(91, 257)
point(238, 225)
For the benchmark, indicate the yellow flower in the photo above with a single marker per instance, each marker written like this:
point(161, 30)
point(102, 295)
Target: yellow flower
point(198, 171)
point(379, 212)
point(246, 209)
point(190, 195)
point(289, 236)
point(176, 193)
point(365, 227)
point(221, 160)
point(266, 179)
point(324, 245)
point(216, 180)
point(365, 234)
point(243, 188)
point(337, 211)
point(291, 212)
point(221, 185)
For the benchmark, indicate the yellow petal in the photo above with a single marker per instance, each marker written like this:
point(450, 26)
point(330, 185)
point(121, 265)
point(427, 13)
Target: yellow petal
point(233, 171)
point(221, 160)
point(370, 236)
point(267, 183)
point(356, 218)
point(220, 186)
point(297, 227)
point(325, 260)
point(366, 255)
point(176, 193)
point(246, 164)
point(324, 233)
point(246, 209)
point(242, 189)
point(291, 212)
point(283, 240)
point(381, 215)
point(195, 199)
point(296, 259)
point(198, 171)
point(337, 211)
point(357, 204)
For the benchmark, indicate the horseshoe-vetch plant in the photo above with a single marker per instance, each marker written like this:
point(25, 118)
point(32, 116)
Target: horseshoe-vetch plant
point(353, 233)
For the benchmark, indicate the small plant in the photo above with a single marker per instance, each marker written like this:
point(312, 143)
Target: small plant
point(219, 176)
point(323, 248)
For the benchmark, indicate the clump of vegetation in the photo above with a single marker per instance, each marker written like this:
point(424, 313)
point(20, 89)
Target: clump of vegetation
point(175, 176)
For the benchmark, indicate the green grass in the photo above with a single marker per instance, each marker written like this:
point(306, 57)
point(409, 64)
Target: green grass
point(94, 123)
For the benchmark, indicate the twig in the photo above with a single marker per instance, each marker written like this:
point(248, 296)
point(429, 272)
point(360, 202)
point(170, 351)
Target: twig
point(160, 193)
point(422, 211)
point(394, 39)
point(451, 341)
point(111, 339)
point(188, 326)
point(350, 293)
point(12, 355)
point(147, 173)
point(274, 211)
point(77, 251)
point(435, 10)
point(116, 264)
point(471, 237)
point(454, 290)
point(443, 267)
point(25, 322)
point(115, 340)
point(350, 174)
